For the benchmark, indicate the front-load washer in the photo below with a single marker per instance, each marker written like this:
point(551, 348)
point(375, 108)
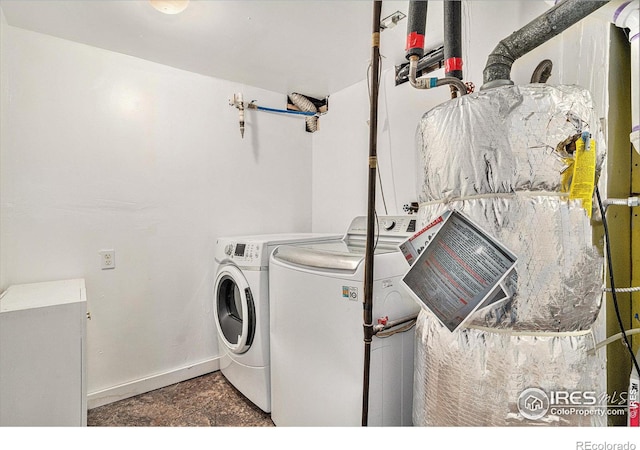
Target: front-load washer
point(241, 308)
point(317, 348)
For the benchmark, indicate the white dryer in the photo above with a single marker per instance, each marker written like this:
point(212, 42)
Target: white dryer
point(317, 349)
point(241, 308)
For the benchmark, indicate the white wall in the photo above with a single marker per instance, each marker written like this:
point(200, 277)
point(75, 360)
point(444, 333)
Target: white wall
point(104, 151)
point(341, 148)
point(100, 150)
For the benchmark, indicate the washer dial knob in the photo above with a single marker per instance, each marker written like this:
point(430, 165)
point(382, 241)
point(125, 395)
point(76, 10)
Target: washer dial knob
point(388, 224)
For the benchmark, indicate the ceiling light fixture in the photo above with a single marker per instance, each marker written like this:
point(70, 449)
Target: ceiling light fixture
point(170, 6)
point(392, 20)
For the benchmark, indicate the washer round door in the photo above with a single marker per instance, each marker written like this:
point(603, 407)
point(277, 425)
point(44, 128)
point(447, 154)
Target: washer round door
point(234, 309)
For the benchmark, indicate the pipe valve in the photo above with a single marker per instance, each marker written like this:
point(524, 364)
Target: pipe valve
point(238, 103)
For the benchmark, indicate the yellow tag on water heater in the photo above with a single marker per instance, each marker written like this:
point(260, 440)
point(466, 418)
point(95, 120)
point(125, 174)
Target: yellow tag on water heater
point(584, 174)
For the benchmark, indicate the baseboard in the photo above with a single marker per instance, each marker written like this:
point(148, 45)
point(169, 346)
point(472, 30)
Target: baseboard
point(137, 387)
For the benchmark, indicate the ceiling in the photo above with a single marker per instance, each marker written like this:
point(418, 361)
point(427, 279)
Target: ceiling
point(312, 47)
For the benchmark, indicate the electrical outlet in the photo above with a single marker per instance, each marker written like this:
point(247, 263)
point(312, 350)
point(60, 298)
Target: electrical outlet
point(107, 259)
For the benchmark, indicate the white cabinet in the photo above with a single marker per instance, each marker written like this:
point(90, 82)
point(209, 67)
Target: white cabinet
point(42, 354)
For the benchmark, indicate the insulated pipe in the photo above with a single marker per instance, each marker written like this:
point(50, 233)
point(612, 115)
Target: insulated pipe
point(417, 16)
point(371, 209)
point(453, 39)
point(416, 23)
point(497, 72)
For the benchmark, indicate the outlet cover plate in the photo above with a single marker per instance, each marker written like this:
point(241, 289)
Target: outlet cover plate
point(107, 259)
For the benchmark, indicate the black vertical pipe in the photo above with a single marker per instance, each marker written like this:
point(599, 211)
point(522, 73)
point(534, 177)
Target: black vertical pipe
point(371, 209)
point(416, 23)
point(453, 39)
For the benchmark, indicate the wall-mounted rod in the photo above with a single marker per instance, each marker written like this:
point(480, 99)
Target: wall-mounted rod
point(371, 209)
point(497, 71)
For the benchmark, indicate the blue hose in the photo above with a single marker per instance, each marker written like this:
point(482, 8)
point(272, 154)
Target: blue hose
point(285, 111)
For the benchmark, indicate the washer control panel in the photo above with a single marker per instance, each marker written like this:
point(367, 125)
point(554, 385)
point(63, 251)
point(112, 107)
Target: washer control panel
point(246, 252)
point(254, 250)
point(243, 252)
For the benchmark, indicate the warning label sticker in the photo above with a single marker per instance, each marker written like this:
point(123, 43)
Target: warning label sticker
point(412, 247)
point(584, 174)
point(460, 270)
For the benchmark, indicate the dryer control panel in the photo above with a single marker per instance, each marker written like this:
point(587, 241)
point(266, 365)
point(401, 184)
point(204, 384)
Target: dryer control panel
point(389, 230)
point(385, 225)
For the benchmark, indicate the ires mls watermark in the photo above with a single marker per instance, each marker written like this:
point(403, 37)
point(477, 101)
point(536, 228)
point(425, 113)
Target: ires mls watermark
point(534, 403)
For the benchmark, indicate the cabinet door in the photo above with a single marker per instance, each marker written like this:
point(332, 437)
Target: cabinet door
point(42, 366)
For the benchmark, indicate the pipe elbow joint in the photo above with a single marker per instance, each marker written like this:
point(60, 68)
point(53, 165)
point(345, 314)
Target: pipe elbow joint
point(495, 84)
point(495, 76)
point(497, 71)
point(460, 87)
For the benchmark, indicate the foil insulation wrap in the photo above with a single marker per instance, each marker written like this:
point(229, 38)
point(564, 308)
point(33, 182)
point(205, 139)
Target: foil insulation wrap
point(502, 140)
point(503, 157)
point(477, 377)
point(557, 285)
point(500, 156)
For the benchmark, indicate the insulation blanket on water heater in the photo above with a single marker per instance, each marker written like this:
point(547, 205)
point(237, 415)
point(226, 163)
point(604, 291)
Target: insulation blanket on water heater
point(504, 158)
point(502, 140)
point(558, 281)
point(475, 377)
point(499, 157)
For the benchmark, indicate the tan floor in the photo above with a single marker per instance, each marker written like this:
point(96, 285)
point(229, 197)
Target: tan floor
point(206, 401)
